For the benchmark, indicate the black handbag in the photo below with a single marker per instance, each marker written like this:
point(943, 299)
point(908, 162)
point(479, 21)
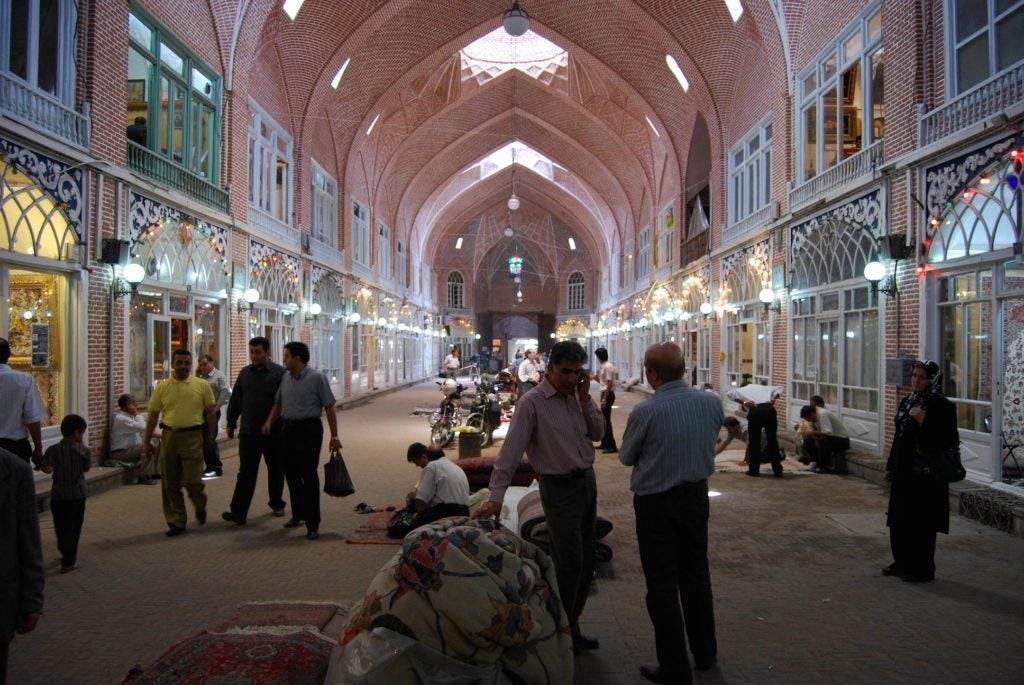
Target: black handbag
point(337, 481)
point(946, 468)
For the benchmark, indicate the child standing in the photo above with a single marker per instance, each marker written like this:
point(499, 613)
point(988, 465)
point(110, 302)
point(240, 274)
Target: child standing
point(68, 461)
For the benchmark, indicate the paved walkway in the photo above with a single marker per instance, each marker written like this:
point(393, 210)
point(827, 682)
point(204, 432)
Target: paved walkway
point(795, 565)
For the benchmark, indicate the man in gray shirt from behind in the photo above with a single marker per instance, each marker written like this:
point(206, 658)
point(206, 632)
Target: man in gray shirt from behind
point(222, 393)
point(670, 443)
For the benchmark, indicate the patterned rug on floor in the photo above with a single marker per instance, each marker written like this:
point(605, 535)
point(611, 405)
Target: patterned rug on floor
point(256, 616)
point(297, 658)
point(374, 530)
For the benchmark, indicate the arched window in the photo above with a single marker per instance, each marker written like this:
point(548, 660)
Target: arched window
point(576, 283)
point(456, 291)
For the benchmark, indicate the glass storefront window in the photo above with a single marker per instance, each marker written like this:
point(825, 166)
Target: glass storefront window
point(965, 323)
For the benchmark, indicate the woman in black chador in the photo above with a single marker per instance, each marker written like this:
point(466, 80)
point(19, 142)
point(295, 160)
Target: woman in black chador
point(918, 501)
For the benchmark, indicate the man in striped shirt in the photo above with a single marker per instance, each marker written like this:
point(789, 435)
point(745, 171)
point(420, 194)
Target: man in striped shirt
point(670, 443)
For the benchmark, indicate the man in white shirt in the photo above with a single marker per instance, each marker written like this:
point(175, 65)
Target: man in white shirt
point(452, 363)
point(606, 376)
point(23, 410)
point(126, 440)
point(835, 438)
point(529, 373)
point(443, 489)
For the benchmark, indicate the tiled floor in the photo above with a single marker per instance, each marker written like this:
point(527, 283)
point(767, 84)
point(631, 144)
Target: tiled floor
point(795, 566)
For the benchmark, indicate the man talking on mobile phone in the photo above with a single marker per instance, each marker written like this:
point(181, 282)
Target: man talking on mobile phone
point(556, 426)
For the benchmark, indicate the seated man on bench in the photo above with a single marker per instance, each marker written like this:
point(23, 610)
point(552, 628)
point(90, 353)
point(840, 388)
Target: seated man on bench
point(834, 438)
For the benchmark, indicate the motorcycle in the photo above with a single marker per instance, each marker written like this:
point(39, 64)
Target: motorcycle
point(444, 421)
point(485, 414)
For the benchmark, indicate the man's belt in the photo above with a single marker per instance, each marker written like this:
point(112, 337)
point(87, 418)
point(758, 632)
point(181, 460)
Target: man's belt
point(187, 429)
point(297, 422)
point(579, 473)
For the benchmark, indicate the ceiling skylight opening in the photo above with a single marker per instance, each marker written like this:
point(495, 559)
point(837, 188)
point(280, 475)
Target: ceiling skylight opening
point(735, 9)
point(372, 124)
point(458, 243)
point(291, 8)
point(651, 124)
point(341, 72)
point(495, 53)
point(673, 66)
point(572, 243)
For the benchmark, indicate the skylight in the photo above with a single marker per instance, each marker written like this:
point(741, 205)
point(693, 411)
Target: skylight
point(291, 8)
point(372, 124)
point(735, 9)
point(572, 243)
point(673, 66)
point(341, 72)
point(492, 55)
point(458, 243)
point(651, 124)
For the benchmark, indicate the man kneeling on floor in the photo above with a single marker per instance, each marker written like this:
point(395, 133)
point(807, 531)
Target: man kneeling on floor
point(443, 490)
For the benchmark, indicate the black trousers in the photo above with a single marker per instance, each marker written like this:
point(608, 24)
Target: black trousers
point(570, 507)
point(608, 439)
point(439, 511)
point(211, 453)
point(672, 533)
point(304, 439)
point(833, 449)
point(68, 516)
point(251, 449)
point(22, 448)
point(913, 548)
point(763, 417)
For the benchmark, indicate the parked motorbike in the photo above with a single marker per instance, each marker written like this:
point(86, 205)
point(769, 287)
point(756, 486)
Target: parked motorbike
point(444, 421)
point(485, 414)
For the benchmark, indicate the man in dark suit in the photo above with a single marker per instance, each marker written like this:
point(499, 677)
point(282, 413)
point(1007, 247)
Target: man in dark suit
point(21, 556)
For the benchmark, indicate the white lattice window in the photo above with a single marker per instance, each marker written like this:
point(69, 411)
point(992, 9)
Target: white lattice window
point(750, 169)
point(456, 291)
point(360, 233)
point(643, 253)
point(626, 278)
point(384, 251)
point(667, 235)
point(977, 221)
point(576, 290)
point(841, 97)
point(402, 264)
point(30, 221)
point(324, 207)
point(40, 35)
point(985, 38)
point(270, 166)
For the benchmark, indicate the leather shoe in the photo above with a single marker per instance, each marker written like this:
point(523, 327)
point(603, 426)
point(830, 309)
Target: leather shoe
point(293, 523)
point(230, 517)
point(312, 534)
point(656, 674)
point(201, 517)
point(582, 643)
point(279, 512)
point(174, 530)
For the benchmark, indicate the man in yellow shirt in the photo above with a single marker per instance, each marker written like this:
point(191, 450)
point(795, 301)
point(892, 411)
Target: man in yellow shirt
point(186, 403)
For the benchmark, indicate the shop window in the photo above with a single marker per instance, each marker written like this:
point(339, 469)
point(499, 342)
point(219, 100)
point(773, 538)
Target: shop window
point(750, 168)
point(456, 291)
point(643, 253)
point(576, 290)
point(40, 40)
point(270, 167)
point(360, 233)
point(965, 343)
point(985, 40)
point(324, 206)
point(31, 223)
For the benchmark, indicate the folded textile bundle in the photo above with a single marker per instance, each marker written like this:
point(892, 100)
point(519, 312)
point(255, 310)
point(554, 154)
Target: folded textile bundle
point(477, 593)
point(534, 528)
point(478, 472)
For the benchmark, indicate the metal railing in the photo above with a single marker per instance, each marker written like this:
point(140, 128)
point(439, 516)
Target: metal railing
point(751, 223)
point(857, 168)
point(268, 225)
point(159, 168)
point(976, 105)
point(40, 111)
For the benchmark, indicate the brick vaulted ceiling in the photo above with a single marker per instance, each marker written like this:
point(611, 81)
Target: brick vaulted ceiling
point(589, 117)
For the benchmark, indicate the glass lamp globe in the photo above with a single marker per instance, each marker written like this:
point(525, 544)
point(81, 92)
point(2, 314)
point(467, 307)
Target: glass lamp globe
point(516, 21)
point(251, 295)
point(508, 229)
point(315, 309)
point(354, 317)
point(874, 271)
point(513, 202)
point(134, 273)
point(766, 295)
point(705, 307)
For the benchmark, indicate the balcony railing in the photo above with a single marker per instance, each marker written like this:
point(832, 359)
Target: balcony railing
point(158, 168)
point(857, 168)
point(273, 228)
point(751, 224)
point(43, 113)
point(988, 99)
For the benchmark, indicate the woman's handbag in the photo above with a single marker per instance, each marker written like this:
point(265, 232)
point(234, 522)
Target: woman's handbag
point(337, 482)
point(946, 468)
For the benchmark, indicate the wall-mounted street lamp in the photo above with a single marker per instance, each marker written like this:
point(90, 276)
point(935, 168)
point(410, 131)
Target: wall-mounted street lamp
point(767, 297)
point(250, 297)
point(875, 271)
point(705, 308)
point(128, 284)
point(313, 311)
